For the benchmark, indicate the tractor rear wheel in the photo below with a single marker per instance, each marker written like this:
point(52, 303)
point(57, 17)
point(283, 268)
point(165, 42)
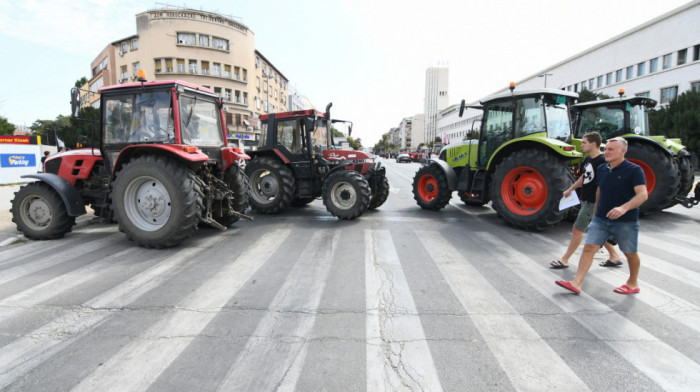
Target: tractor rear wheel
point(40, 213)
point(238, 183)
point(271, 185)
point(346, 194)
point(430, 188)
point(661, 173)
point(526, 188)
point(380, 194)
point(155, 201)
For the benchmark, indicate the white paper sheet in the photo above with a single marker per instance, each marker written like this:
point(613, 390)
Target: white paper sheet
point(567, 202)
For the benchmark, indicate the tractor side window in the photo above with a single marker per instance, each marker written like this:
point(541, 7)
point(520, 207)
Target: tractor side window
point(201, 122)
point(290, 135)
point(152, 118)
point(558, 125)
point(639, 122)
point(529, 117)
point(117, 119)
point(606, 121)
point(497, 128)
point(263, 135)
point(319, 137)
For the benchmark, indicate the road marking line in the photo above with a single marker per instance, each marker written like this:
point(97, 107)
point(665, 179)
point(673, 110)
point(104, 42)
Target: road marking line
point(398, 356)
point(23, 354)
point(509, 336)
point(273, 356)
point(137, 365)
point(665, 247)
point(660, 362)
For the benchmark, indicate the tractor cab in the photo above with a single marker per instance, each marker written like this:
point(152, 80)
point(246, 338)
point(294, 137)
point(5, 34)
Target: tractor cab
point(613, 117)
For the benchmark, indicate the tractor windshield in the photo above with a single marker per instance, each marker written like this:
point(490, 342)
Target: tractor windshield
point(319, 137)
point(200, 121)
point(139, 118)
point(558, 125)
point(608, 121)
point(533, 115)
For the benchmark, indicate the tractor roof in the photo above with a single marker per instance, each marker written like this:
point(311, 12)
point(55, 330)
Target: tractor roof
point(298, 113)
point(617, 101)
point(157, 83)
point(524, 93)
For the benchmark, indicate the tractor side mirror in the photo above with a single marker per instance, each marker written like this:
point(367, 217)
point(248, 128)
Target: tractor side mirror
point(349, 130)
point(461, 108)
point(74, 102)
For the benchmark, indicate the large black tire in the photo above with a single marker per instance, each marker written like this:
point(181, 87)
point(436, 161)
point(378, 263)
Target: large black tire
point(472, 203)
point(526, 189)
point(346, 194)
point(430, 188)
point(40, 213)
point(271, 185)
point(155, 200)
point(380, 193)
point(661, 172)
point(238, 183)
point(302, 201)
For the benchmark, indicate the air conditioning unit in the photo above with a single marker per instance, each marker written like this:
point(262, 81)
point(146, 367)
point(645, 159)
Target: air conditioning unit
point(121, 54)
point(225, 109)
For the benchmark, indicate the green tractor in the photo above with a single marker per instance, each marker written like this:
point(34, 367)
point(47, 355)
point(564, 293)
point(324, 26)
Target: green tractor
point(520, 159)
point(665, 161)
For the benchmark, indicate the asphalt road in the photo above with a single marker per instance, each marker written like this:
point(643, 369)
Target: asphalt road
point(399, 299)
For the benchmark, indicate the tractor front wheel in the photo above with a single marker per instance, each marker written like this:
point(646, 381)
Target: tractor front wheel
point(660, 172)
point(527, 187)
point(271, 185)
point(430, 188)
point(380, 194)
point(155, 201)
point(346, 194)
point(40, 213)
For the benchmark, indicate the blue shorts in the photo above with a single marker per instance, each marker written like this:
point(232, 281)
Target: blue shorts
point(625, 233)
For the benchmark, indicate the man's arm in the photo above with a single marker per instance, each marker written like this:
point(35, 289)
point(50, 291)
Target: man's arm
point(640, 196)
point(576, 185)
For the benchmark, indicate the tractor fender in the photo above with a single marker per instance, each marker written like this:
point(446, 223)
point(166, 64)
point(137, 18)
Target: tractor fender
point(70, 196)
point(557, 148)
point(192, 158)
point(449, 172)
point(230, 155)
point(651, 142)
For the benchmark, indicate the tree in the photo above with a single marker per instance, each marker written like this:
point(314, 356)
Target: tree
point(588, 95)
point(6, 128)
point(81, 82)
point(337, 133)
point(679, 119)
point(355, 144)
point(68, 129)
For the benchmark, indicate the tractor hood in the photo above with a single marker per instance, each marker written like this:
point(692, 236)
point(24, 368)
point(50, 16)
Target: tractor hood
point(346, 155)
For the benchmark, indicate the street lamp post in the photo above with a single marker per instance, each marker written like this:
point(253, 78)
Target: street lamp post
point(545, 78)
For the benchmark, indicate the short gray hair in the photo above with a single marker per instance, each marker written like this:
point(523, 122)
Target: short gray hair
point(621, 140)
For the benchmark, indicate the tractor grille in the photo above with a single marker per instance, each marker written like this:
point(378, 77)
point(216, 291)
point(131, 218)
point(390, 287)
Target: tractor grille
point(53, 165)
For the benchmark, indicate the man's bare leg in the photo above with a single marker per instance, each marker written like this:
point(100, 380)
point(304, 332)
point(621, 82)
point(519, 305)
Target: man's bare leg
point(584, 264)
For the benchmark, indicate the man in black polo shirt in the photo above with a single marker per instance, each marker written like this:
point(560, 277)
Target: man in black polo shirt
point(590, 144)
point(621, 190)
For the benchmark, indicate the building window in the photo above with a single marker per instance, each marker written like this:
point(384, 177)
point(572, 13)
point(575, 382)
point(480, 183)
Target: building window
point(245, 74)
point(186, 38)
point(618, 76)
point(205, 68)
point(576, 87)
point(568, 88)
point(193, 66)
point(219, 43)
point(682, 56)
point(180, 65)
point(134, 44)
point(696, 52)
point(668, 94)
point(216, 69)
point(238, 96)
point(590, 84)
point(227, 94)
point(600, 81)
point(204, 40)
point(608, 78)
point(159, 68)
point(584, 87)
point(653, 65)
point(257, 63)
point(667, 61)
point(124, 75)
point(122, 50)
point(168, 65)
point(630, 72)
point(640, 69)
point(695, 86)
point(217, 91)
point(237, 73)
point(227, 71)
point(136, 66)
point(644, 94)
point(245, 98)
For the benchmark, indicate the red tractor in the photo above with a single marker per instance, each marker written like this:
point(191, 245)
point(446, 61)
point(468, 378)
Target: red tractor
point(163, 167)
point(296, 162)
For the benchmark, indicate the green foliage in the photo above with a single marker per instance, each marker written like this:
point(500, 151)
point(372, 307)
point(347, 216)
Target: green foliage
point(355, 144)
point(680, 119)
point(68, 129)
point(81, 82)
point(6, 128)
point(383, 145)
point(588, 95)
point(337, 133)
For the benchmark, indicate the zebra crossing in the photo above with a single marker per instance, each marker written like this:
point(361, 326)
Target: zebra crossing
point(441, 311)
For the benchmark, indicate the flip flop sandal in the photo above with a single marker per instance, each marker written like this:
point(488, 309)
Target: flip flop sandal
point(557, 264)
point(567, 285)
point(610, 263)
point(626, 290)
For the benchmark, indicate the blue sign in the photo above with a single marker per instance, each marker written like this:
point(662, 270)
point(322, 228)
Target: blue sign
point(17, 160)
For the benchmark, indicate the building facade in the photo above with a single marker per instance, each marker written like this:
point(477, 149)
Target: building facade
point(436, 98)
point(203, 48)
point(659, 59)
point(453, 129)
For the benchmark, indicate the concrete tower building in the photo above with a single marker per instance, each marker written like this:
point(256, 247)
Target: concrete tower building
point(436, 98)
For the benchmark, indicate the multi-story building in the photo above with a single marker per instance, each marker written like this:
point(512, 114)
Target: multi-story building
point(658, 59)
point(298, 101)
point(200, 47)
point(436, 98)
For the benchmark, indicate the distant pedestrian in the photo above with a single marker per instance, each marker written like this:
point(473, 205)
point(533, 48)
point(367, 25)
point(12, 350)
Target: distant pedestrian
point(46, 155)
point(590, 144)
point(621, 190)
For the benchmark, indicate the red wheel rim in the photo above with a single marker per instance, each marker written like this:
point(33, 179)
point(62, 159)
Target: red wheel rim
point(524, 191)
point(427, 187)
point(648, 174)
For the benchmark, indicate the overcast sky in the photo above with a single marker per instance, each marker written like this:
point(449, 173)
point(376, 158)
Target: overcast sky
point(366, 56)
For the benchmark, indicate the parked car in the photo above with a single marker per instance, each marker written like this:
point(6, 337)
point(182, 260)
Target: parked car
point(403, 158)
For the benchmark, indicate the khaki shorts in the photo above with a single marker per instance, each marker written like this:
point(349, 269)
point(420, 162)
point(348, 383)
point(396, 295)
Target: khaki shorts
point(585, 216)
